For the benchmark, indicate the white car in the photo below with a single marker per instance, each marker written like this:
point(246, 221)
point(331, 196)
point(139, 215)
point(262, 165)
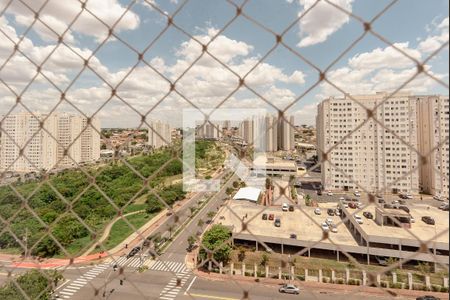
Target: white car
point(285, 207)
point(329, 193)
point(317, 211)
point(329, 221)
point(358, 219)
point(334, 228)
point(438, 198)
point(325, 227)
point(359, 205)
point(412, 220)
point(408, 196)
point(341, 199)
point(337, 212)
point(357, 194)
point(443, 206)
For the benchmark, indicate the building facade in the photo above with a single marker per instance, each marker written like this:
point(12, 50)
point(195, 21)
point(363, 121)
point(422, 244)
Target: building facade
point(58, 145)
point(209, 131)
point(433, 129)
point(363, 152)
point(268, 133)
point(159, 135)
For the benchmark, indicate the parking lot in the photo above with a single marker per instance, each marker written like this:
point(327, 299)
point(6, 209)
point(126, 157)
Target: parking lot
point(301, 222)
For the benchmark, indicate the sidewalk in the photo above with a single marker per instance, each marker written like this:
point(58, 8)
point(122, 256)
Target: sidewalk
point(323, 287)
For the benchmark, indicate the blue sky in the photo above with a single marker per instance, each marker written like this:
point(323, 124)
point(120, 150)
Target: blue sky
point(415, 26)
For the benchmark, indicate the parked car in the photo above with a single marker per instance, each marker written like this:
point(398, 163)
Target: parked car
point(317, 211)
point(388, 206)
point(330, 212)
point(334, 228)
point(411, 219)
point(353, 205)
point(293, 236)
point(264, 216)
point(443, 206)
point(359, 205)
point(404, 208)
point(329, 193)
point(428, 297)
point(277, 222)
point(410, 197)
point(381, 201)
point(368, 215)
point(319, 193)
point(271, 217)
point(289, 289)
point(329, 221)
point(402, 201)
point(357, 194)
point(291, 208)
point(285, 207)
point(325, 227)
point(438, 198)
point(428, 220)
point(358, 219)
point(337, 212)
point(403, 196)
point(341, 199)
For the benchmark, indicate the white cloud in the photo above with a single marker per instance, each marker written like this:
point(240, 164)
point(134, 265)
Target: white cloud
point(382, 69)
point(322, 20)
point(59, 14)
point(434, 42)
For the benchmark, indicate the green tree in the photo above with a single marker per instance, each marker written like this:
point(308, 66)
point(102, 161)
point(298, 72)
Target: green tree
point(216, 240)
point(235, 184)
point(211, 214)
point(264, 259)
point(34, 284)
point(308, 200)
point(241, 255)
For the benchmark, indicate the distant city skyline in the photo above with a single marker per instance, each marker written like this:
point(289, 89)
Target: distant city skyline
point(372, 65)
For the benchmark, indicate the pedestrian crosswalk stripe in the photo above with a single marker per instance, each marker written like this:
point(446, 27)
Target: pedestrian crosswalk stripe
point(169, 266)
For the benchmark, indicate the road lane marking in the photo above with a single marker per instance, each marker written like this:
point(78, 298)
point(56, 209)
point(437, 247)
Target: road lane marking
point(212, 297)
point(190, 285)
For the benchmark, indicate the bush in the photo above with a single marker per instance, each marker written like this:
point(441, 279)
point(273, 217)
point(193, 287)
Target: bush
point(326, 280)
point(436, 288)
point(418, 287)
point(352, 281)
point(444, 289)
point(384, 284)
point(340, 281)
point(397, 285)
point(301, 277)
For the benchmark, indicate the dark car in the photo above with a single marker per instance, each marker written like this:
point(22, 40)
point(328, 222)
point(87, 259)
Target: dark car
point(264, 216)
point(271, 217)
point(330, 212)
point(388, 206)
point(427, 297)
point(277, 222)
point(293, 236)
point(402, 202)
point(368, 215)
point(428, 220)
point(291, 208)
point(381, 201)
point(319, 193)
point(134, 251)
point(404, 208)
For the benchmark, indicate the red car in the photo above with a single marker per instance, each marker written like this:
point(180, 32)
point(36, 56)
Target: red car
point(271, 217)
point(352, 205)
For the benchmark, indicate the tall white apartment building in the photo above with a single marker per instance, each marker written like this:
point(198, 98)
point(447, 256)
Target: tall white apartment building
point(159, 135)
point(49, 148)
point(286, 134)
point(433, 131)
point(209, 131)
point(268, 133)
point(371, 156)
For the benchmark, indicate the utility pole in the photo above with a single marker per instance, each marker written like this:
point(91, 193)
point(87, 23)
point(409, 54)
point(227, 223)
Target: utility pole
point(25, 240)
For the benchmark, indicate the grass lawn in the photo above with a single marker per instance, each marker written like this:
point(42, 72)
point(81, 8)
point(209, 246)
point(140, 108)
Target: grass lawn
point(121, 230)
point(135, 207)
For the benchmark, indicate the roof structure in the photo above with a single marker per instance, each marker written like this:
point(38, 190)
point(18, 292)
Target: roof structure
point(248, 193)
